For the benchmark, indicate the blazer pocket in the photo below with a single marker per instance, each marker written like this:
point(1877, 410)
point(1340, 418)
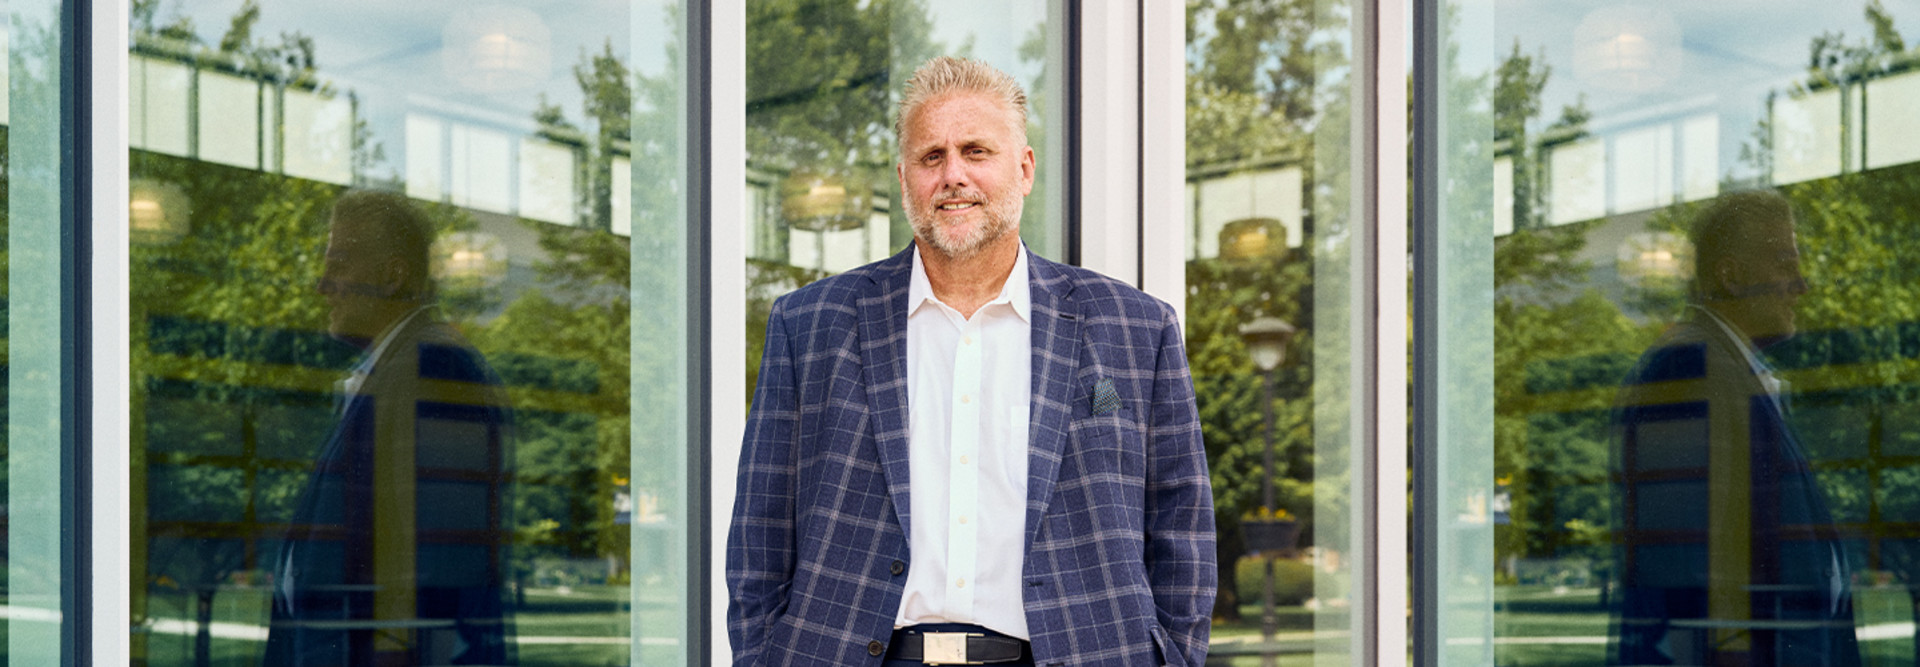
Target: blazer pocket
point(1163, 645)
point(1110, 443)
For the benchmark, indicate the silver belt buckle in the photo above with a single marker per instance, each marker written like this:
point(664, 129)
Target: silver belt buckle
point(945, 648)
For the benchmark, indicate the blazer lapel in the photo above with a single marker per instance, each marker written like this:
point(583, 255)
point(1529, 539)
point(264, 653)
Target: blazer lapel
point(1056, 358)
point(883, 358)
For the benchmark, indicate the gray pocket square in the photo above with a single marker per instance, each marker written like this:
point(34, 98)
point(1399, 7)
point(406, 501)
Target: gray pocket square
point(1105, 399)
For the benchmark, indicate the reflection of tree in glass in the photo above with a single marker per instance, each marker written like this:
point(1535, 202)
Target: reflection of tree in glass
point(1552, 330)
point(572, 456)
point(231, 365)
point(1261, 92)
point(819, 79)
point(1555, 332)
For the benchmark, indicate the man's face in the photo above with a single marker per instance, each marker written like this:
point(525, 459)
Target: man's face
point(359, 285)
point(1764, 284)
point(965, 173)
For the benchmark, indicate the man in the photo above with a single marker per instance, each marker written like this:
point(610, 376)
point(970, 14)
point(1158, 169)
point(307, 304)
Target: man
point(965, 452)
point(396, 553)
point(1728, 552)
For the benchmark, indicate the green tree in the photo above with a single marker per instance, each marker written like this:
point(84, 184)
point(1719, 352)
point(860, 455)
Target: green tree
point(1258, 96)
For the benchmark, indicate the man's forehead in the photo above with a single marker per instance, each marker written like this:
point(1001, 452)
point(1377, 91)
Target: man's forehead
point(916, 125)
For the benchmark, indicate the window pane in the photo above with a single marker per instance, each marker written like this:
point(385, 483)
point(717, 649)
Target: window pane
point(1268, 297)
point(1692, 445)
point(822, 83)
point(384, 359)
point(36, 299)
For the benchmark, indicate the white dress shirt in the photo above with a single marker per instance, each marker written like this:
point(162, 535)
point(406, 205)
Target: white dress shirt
point(968, 393)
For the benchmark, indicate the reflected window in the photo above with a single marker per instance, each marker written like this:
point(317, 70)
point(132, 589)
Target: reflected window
point(1696, 305)
point(381, 292)
point(1266, 172)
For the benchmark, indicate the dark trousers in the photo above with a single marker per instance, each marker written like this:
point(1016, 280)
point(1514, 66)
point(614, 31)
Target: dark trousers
point(1026, 659)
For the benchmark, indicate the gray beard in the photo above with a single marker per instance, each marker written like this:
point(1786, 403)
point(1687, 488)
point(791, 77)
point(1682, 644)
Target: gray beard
point(1002, 215)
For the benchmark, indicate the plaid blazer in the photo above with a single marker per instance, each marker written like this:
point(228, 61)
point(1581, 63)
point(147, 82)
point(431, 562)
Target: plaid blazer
point(1119, 568)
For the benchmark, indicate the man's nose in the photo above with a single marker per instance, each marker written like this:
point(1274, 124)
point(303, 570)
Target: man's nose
point(1797, 285)
point(952, 175)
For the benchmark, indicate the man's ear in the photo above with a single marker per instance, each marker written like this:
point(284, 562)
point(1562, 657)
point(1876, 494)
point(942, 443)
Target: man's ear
point(1027, 169)
point(394, 280)
point(1719, 281)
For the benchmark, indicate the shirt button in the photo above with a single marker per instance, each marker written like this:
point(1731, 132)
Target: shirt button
point(876, 648)
point(898, 567)
point(968, 340)
point(960, 583)
point(965, 398)
point(963, 459)
point(963, 519)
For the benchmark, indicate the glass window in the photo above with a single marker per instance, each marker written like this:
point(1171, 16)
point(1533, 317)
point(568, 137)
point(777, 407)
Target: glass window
point(1692, 442)
point(35, 248)
point(386, 339)
point(822, 83)
point(1267, 302)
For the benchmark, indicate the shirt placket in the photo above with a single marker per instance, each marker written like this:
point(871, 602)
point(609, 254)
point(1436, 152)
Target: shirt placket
point(963, 479)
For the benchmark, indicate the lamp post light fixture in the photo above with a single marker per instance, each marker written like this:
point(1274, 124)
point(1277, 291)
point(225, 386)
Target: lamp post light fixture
point(1266, 339)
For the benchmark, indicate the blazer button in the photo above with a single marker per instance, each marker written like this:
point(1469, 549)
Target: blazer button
point(875, 648)
point(899, 567)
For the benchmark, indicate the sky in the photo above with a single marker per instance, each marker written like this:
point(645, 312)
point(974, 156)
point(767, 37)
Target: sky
point(390, 50)
point(1731, 53)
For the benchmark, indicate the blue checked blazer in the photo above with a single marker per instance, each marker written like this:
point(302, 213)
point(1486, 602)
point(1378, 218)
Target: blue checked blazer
point(1119, 568)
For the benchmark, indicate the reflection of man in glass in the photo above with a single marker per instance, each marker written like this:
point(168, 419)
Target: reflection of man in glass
point(396, 553)
point(1729, 553)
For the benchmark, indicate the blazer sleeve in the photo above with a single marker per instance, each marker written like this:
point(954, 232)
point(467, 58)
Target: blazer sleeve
point(760, 543)
point(1180, 542)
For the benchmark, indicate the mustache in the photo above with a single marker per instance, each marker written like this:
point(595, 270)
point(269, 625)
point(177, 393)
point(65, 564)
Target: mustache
point(974, 194)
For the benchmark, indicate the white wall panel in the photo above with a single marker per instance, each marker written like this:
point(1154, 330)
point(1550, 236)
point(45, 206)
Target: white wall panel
point(1642, 167)
point(1700, 157)
point(1892, 133)
point(480, 167)
point(162, 99)
point(426, 158)
point(546, 181)
point(1578, 181)
point(229, 120)
point(318, 137)
point(1806, 137)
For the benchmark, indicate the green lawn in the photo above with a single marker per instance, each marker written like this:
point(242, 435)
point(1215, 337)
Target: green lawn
point(1544, 627)
point(597, 614)
point(1533, 626)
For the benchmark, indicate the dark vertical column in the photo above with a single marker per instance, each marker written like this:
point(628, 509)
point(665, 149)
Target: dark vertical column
point(699, 239)
point(1425, 435)
point(76, 242)
point(1070, 181)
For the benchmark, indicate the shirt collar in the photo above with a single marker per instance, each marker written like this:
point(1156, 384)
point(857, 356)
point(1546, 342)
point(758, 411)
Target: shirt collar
point(1015, 292)
point(1740, 341)
point(386, 339)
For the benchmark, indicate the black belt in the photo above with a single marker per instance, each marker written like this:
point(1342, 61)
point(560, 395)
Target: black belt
point(976, 646)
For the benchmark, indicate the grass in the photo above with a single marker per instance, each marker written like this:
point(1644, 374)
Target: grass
point(1533, 626)
point(594, 613)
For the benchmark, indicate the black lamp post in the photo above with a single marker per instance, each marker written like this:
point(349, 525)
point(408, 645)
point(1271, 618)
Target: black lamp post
point(1266, 339)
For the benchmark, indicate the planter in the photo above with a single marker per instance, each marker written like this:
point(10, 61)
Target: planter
point(1265, 535)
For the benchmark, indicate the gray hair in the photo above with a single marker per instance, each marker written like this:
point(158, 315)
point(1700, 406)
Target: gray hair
point(946, 75)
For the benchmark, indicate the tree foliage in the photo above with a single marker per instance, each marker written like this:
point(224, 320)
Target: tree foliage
point(1262, 90)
